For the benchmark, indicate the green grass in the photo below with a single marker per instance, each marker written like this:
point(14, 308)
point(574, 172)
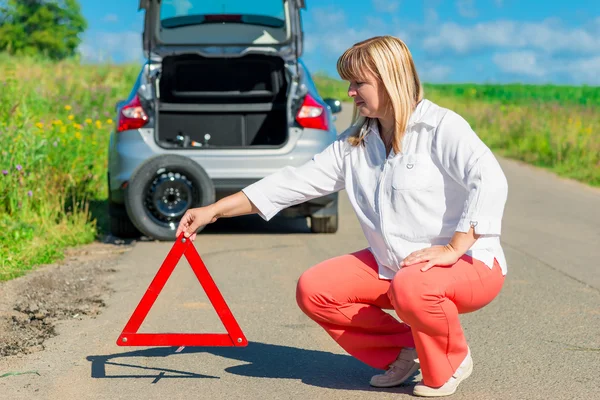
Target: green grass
point(54, 124)
point(550, 126)
point(513, 94)
point(55, 120)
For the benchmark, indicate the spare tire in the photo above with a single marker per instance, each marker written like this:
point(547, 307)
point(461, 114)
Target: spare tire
point(162, 189)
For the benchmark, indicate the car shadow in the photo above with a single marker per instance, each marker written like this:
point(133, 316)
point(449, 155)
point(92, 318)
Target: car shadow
point(247, 224)
point(261, 360)
point(256, 225)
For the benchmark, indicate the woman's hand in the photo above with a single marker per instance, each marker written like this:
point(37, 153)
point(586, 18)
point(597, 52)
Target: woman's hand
point(230, 206)
point(441, 256)
point(193, 219)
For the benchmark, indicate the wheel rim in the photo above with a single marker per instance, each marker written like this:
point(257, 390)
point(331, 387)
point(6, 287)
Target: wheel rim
point(168, 197)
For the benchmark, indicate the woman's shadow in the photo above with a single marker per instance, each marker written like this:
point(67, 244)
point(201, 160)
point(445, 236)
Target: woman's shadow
point(312, 367)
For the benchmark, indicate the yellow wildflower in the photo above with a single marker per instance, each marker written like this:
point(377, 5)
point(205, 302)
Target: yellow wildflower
point(78, 126)
point(78, 135)
point(67, 108)
point(88, 121)
point(98, 124)
point(109, 121)
point(71, 117)
point(63, 129)
point(40, 125)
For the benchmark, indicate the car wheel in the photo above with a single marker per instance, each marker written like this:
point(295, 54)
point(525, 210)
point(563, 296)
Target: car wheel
point(162, 189)
point(324, 224)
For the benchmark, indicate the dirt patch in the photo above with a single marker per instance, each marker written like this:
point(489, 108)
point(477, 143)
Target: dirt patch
point(77, 287)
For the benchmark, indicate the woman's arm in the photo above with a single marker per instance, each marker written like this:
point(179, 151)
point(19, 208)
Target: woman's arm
point(322, 175)
point(462, 241)
point(232, 206)
point(289, 186)
point(470, 162)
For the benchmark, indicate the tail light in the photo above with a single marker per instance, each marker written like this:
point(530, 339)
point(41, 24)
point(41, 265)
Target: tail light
point(132, 115)
point(312, 114)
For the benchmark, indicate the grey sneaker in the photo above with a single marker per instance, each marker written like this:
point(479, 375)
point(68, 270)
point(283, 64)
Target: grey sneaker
point(400, 370)
point(463, 372)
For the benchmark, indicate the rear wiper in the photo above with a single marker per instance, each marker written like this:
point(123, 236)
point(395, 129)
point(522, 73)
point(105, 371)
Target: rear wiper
point(186, 20)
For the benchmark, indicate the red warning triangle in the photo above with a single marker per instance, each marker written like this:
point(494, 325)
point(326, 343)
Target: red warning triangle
point(234, 335)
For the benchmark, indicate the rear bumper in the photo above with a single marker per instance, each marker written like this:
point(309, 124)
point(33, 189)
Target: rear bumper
point(325, 206)
point(230, 170)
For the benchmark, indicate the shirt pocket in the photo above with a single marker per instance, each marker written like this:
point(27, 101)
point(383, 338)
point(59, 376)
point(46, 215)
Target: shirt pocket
point(414, 172)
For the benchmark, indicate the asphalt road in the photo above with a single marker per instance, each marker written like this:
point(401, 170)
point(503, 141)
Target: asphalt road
point(540, 339)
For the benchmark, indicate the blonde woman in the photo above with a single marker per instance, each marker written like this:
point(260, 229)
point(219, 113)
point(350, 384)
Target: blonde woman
point(429, 195)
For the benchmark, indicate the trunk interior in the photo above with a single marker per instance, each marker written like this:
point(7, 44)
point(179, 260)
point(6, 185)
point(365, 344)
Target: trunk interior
point(222, 102)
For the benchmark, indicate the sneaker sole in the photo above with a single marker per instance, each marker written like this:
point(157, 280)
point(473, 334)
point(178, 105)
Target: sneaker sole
point(399, 381)
point(425, 391)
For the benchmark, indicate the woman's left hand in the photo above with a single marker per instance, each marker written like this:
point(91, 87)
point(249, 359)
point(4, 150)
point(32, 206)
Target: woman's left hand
point(441, 256)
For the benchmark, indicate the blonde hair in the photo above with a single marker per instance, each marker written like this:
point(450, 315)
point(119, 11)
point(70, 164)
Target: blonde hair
point(389, 60)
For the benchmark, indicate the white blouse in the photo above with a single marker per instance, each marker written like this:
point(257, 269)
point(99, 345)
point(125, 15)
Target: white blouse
point(444, 180)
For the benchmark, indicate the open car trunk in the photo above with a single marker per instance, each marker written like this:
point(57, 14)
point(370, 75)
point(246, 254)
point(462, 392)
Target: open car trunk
point(235, 102)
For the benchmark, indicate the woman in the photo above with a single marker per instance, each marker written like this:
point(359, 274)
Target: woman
point(430, 197)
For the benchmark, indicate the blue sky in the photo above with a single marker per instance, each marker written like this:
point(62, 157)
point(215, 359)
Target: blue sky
point(482, 41)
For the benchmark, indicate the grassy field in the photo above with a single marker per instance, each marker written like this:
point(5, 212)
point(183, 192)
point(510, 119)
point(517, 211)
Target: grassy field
point(555, 127)
point(55, 120)
point(54, 124)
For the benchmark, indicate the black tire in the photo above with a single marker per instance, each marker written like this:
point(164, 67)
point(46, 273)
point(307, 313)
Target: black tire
point(324, 224)
point(120, 224)
point(162, 189)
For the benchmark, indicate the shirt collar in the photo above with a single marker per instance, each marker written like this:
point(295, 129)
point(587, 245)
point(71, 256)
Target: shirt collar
point(422, 114)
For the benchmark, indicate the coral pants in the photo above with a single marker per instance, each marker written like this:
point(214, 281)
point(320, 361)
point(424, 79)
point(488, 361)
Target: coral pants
point(346, 296)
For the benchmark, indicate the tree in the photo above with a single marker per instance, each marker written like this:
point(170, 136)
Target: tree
point(47, 27)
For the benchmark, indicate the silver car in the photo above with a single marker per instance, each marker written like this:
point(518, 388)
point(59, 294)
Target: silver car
point(222, 101)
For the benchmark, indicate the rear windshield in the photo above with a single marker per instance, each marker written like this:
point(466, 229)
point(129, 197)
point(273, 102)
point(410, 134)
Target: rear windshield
point(212, 21)
point(170, 9)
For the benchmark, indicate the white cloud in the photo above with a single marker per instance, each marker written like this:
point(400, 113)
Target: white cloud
point(434, 73)
point(329, 18)
point(519, 62)
point(549, 36)
point(337, 42)
point(331, 36)
point(466, 8)
point(386, 6)
point(111, 46)
point(334, 42)
point(431, 16)
point(585, 70)
point(111, 18)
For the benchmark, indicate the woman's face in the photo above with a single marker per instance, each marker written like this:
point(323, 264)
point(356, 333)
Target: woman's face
point(369, 96)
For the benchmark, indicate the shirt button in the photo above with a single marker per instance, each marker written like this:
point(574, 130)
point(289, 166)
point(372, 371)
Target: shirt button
point(409, 166)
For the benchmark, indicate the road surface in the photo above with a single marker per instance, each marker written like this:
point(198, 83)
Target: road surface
point(540, 339)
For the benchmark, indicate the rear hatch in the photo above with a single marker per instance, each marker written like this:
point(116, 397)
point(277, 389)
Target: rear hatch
point(222, 27)
point(228, 71)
